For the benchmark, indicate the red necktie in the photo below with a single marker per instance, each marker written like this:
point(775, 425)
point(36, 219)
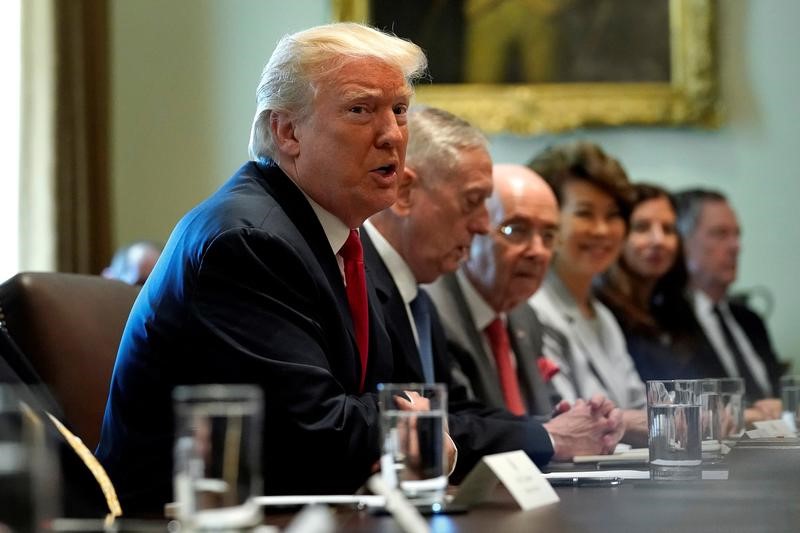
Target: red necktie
point(501, 348)
point(356, 285)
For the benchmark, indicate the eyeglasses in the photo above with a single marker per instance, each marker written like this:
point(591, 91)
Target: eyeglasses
point(522, 233)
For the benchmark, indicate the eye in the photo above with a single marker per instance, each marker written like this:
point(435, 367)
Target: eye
point(358, 109)
point(401, 109)
point(473, 201)
point(548, 238)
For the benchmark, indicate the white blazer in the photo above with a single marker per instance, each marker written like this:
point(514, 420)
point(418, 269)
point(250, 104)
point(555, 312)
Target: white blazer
point(595, 357)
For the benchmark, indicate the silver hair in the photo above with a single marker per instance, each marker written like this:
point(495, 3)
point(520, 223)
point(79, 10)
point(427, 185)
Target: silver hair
point(435, 139)
point(301, 59)
point(689, 204)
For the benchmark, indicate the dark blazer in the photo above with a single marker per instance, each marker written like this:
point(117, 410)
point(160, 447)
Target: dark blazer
point(465, 344)
point(476, 428)
point(248, 290)
point(756, 331)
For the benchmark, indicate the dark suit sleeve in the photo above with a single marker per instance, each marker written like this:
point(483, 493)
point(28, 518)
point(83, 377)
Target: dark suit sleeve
point(262, 313)
point(756, 331)
point(476, 436)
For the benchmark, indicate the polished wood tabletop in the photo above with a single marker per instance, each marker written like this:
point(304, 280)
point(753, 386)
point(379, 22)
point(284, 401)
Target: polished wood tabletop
point(761, 494)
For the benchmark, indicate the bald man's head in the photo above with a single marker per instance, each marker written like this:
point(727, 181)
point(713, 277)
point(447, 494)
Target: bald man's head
point(508, 264)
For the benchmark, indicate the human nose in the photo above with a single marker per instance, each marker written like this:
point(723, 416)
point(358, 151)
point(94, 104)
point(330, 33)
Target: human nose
point(600, 226)
point(479, 222)
point(657, 234)
point(536, 245)
point(390, 133)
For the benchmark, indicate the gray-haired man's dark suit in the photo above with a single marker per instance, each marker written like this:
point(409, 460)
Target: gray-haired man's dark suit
point(466, 347)
point(477, 429)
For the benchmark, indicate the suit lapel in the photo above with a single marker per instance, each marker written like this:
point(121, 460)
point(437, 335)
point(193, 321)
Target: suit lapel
point(302, 215)
point(526, 341)
point(394, 309)
point(460, 328)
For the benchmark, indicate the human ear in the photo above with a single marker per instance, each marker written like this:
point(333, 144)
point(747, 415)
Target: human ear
point(408, 181)
point(284, 133)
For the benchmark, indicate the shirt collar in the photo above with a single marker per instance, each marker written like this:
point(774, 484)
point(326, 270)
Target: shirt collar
point(395, 264)
point(703, 304)
point(482, 313)
point(335, 230)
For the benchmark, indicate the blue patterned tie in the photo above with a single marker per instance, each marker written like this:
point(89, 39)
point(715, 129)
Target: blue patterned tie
point(421, 310)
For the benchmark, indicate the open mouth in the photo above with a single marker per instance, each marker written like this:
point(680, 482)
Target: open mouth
point(386, 170)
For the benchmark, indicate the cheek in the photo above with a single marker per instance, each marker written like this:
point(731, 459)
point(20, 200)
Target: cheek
point(671, 245)
point(617, 232)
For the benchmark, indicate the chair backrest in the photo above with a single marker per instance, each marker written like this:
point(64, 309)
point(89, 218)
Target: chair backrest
point(69, 327)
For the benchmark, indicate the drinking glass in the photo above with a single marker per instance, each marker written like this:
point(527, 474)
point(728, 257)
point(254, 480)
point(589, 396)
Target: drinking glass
point(790, 397)
point(413, 457)
point(30, 479)
point(673, 414)
point(731, 395)
point(218, 455)
point(710, 420)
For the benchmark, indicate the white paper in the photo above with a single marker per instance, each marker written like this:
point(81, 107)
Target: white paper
point(516, 472)
point(773, 428)
point(329, 499)
point(633, 455)
point(600, 474)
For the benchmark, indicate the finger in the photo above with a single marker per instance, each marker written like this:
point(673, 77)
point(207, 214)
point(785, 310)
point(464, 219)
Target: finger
point(562, 407)
point(597, 401)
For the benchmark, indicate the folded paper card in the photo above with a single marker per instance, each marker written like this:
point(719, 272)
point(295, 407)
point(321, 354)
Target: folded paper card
point(516, 472)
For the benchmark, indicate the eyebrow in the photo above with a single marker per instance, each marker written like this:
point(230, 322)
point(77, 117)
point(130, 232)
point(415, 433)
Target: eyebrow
point(358, 93)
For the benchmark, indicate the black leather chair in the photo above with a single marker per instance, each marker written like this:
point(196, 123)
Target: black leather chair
point(68, 326)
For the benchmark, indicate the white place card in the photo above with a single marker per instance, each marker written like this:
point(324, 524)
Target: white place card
point(516, 471)
point(770, 428)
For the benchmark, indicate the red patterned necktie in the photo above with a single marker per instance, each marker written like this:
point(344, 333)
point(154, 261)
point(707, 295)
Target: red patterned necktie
point(356, 285)
point(501, 348)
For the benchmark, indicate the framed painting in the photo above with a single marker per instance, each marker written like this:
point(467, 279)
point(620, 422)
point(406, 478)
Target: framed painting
point(531, 66)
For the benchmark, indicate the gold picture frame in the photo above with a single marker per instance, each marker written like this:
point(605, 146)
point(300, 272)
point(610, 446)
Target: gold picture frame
point(689, 98)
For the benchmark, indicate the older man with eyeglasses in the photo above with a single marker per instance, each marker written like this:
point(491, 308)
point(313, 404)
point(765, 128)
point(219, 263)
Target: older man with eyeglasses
point(493, 336)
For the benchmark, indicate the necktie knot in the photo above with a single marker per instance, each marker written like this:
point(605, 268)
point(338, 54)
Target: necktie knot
point(352, 250)
point(496, 331)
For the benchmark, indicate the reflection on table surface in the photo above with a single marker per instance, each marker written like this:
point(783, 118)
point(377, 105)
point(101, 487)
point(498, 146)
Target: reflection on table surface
point(762, 493)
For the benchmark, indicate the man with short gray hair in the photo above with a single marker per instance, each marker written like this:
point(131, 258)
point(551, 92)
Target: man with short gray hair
point(736, 341)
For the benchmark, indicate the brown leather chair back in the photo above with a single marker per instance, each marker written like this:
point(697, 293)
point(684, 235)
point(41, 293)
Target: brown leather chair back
point(69, 327)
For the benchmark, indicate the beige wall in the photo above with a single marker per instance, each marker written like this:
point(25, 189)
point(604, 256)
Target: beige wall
point(184, 74)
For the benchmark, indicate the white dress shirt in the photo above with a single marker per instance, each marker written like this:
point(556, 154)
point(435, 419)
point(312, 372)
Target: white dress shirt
point(482, 315)
point(399, 270)
point(704, 310)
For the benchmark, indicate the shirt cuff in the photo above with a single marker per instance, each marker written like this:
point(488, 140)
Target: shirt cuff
point(455, 457)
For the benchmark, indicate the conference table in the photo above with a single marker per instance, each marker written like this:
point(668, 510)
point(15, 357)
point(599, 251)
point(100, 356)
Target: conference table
point(761, 494)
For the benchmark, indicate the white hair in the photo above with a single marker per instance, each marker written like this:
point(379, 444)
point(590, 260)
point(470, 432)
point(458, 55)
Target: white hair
point(303, 58)
point(436, 138)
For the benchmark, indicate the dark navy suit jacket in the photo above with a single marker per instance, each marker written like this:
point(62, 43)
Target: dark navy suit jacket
point(753, 326)
point(247, 290)
point(476, 429)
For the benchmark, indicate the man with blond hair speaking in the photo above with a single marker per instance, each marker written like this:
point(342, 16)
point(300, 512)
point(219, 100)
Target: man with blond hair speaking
point(262, 282)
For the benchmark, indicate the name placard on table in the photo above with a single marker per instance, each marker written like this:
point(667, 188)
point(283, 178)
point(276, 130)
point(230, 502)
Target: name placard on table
point(524, 481)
